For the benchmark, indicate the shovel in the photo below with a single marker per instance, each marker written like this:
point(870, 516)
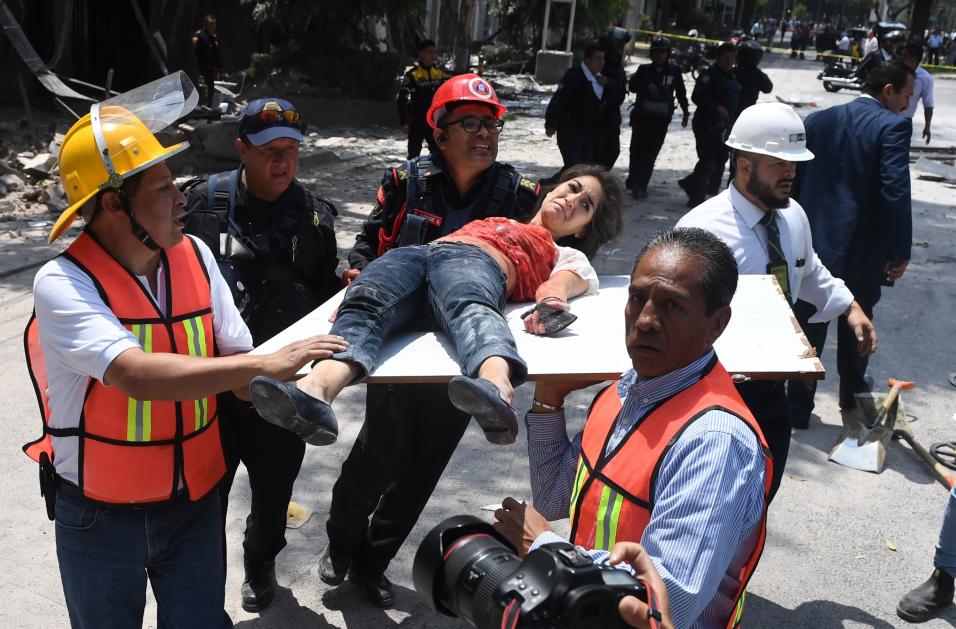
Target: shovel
point(862, 444)
point(941, 473)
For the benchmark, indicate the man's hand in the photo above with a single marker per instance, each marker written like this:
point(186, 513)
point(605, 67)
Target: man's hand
point(406, 129)
point(927, 135)
point(285, 363)
point(549, 132)
point(553, 393)
point(863, 329)
point(632, 609)
point(350, 275)
point(895, 270)
point(520, 524)
point(684, 120)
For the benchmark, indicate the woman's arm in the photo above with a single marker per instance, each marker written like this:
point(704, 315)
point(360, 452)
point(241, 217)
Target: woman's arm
point(563, 284)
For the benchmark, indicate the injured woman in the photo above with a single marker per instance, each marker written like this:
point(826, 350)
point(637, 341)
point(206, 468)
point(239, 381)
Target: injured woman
point(463, 281)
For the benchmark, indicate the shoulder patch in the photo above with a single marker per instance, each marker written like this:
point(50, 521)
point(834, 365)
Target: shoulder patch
point(530, 185)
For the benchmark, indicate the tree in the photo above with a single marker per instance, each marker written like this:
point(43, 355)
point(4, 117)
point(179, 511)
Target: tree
point(466, 18)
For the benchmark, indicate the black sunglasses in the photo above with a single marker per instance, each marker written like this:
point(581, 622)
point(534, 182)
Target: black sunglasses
point(471, 124)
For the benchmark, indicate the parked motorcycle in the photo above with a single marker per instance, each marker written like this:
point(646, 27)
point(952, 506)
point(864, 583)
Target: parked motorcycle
point(839, 75)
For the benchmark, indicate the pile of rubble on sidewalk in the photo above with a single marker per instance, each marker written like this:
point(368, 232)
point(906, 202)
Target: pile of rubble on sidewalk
point(30, 190)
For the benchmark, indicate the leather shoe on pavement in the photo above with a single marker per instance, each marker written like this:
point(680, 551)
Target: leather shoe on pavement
point(480, 399)
point(378, 588)
point(289, 407)
point(922, 602)
point(332, 568)
point(259, 586)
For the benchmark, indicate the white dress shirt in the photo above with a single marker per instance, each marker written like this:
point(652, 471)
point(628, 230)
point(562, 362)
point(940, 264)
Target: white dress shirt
point(597, 87)
point(736, 221)
point(81, 337)
point(872, 44)
point(922, 89)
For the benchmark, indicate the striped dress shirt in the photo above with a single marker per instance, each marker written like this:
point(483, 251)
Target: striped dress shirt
point(708, 500)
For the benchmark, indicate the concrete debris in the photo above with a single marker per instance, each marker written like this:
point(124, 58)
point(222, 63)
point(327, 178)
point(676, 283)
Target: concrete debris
point(933, 170)
point(40, 166)
point(11, 182)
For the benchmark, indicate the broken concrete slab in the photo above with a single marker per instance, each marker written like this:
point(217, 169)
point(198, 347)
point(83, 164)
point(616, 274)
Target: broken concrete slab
point(935, 171)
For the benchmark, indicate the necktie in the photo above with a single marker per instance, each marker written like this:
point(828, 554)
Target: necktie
point(778, 263)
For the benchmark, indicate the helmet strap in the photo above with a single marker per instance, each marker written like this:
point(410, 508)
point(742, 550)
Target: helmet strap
point(138, 232)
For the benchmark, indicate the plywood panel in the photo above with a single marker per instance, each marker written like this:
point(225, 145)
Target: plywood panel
point(762, 341)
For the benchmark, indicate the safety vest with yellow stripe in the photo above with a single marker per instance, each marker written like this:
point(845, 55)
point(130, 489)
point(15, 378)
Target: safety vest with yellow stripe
point(140, 451)
point(613, 493)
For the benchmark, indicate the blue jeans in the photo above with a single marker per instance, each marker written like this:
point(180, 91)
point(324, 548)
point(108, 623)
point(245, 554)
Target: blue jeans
point(459, 285)
point(106, 554)
point(945, 558)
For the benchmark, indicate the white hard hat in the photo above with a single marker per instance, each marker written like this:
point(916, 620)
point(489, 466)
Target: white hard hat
point(692, 33)
point(772, 129)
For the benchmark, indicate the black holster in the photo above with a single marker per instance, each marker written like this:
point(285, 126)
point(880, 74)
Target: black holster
point(48, 484)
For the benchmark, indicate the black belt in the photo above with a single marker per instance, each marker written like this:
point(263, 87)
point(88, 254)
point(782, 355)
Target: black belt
point(69, 489)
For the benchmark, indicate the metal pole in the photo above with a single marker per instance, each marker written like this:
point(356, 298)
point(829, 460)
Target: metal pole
point(544, 31)
point(574, 4)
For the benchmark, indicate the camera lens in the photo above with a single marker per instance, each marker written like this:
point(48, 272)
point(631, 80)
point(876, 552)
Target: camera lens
point(458, 567)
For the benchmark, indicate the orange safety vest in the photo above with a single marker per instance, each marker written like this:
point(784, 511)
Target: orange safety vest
point(613, 495)
point(137, 451)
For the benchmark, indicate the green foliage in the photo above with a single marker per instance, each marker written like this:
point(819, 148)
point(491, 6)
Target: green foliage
point(260, 67)
point(359, 73)
point(495, 54)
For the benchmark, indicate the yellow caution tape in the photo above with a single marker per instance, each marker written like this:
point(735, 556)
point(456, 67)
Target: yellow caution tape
point(926, 66)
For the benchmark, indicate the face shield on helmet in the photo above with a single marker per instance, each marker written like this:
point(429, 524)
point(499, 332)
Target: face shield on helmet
point(116, 140)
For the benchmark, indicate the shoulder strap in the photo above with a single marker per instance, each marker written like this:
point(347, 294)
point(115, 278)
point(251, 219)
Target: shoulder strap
point(505, 188)
point(221, 199)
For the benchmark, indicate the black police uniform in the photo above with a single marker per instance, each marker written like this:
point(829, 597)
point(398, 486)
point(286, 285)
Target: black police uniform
point(607, 142)
point(206, 49)
point(656, 88)
point(279, 259)
point(577, 114)
point(715, 88)
point(414, 98)
point(752, 81)
point(410, 430)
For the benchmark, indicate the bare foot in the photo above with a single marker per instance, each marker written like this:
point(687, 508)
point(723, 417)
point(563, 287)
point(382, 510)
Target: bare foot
point(328, 378)
point(497, 371)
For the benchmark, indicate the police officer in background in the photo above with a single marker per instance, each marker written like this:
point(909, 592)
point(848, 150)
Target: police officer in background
point(275, 245)
point(411, 430)
point(655, 84)
point(752, 81)
point(608, 139)
point(578, 108)
point(715, 94)
point(206, 49)
point(415, 96)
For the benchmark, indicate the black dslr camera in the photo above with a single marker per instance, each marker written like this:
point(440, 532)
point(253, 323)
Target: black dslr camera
point(464, 568)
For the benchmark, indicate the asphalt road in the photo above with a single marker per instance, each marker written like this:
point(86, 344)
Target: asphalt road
point(842, 547)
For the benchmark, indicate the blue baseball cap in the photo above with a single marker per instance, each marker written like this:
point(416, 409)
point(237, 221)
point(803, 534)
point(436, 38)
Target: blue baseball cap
point(266, 119)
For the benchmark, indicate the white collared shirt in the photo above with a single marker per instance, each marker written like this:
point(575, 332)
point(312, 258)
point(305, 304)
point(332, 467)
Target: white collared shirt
point(597, 87)
point(736, 221)
point(922, 89)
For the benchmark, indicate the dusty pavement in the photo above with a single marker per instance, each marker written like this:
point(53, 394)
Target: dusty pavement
point(843, 546)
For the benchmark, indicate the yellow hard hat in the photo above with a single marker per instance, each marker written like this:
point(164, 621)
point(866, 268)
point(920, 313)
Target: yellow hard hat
point(102, 149)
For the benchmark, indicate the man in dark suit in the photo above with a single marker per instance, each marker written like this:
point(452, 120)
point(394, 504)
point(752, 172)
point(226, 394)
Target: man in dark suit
point(576, 111)
point(857, 196)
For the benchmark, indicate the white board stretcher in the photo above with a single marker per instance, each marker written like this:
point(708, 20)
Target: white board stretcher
point(763, 340)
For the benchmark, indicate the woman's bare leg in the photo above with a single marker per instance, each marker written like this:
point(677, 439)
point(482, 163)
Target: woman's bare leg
point(328, 378)
point(497, 371)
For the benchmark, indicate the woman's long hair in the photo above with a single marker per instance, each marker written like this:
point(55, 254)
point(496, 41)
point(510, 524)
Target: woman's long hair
point(608, 215)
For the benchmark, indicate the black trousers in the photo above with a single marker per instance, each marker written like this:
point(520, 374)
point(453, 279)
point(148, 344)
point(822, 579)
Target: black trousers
point(607, 141)
point(272, 457)
point(209, 77)
point(410, 433)
point(712, 156)
point(851, 367)
point(417, 133)
point(577, 146)
point(767, 400)
point(647, 138)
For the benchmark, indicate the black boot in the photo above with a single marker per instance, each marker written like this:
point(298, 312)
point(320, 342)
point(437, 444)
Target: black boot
point(333, 567)
point(922, 602)
point(259, 586)
point(377, 587)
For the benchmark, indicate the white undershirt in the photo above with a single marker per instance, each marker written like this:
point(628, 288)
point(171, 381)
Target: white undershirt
point(81, 337)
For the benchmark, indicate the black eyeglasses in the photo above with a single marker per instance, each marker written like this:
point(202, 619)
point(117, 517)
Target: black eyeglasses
point(471, 124)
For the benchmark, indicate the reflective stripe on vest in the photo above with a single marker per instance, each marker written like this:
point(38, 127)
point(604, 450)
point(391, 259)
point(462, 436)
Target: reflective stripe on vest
point(612, 498)
point(141, 451)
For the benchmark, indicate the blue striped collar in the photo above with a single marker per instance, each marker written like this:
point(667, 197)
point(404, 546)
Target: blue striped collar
point(654, 390)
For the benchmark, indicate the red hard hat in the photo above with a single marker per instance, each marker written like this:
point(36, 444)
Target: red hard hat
point(464, 88)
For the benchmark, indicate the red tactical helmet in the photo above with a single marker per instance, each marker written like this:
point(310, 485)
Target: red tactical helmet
point(464, 88)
